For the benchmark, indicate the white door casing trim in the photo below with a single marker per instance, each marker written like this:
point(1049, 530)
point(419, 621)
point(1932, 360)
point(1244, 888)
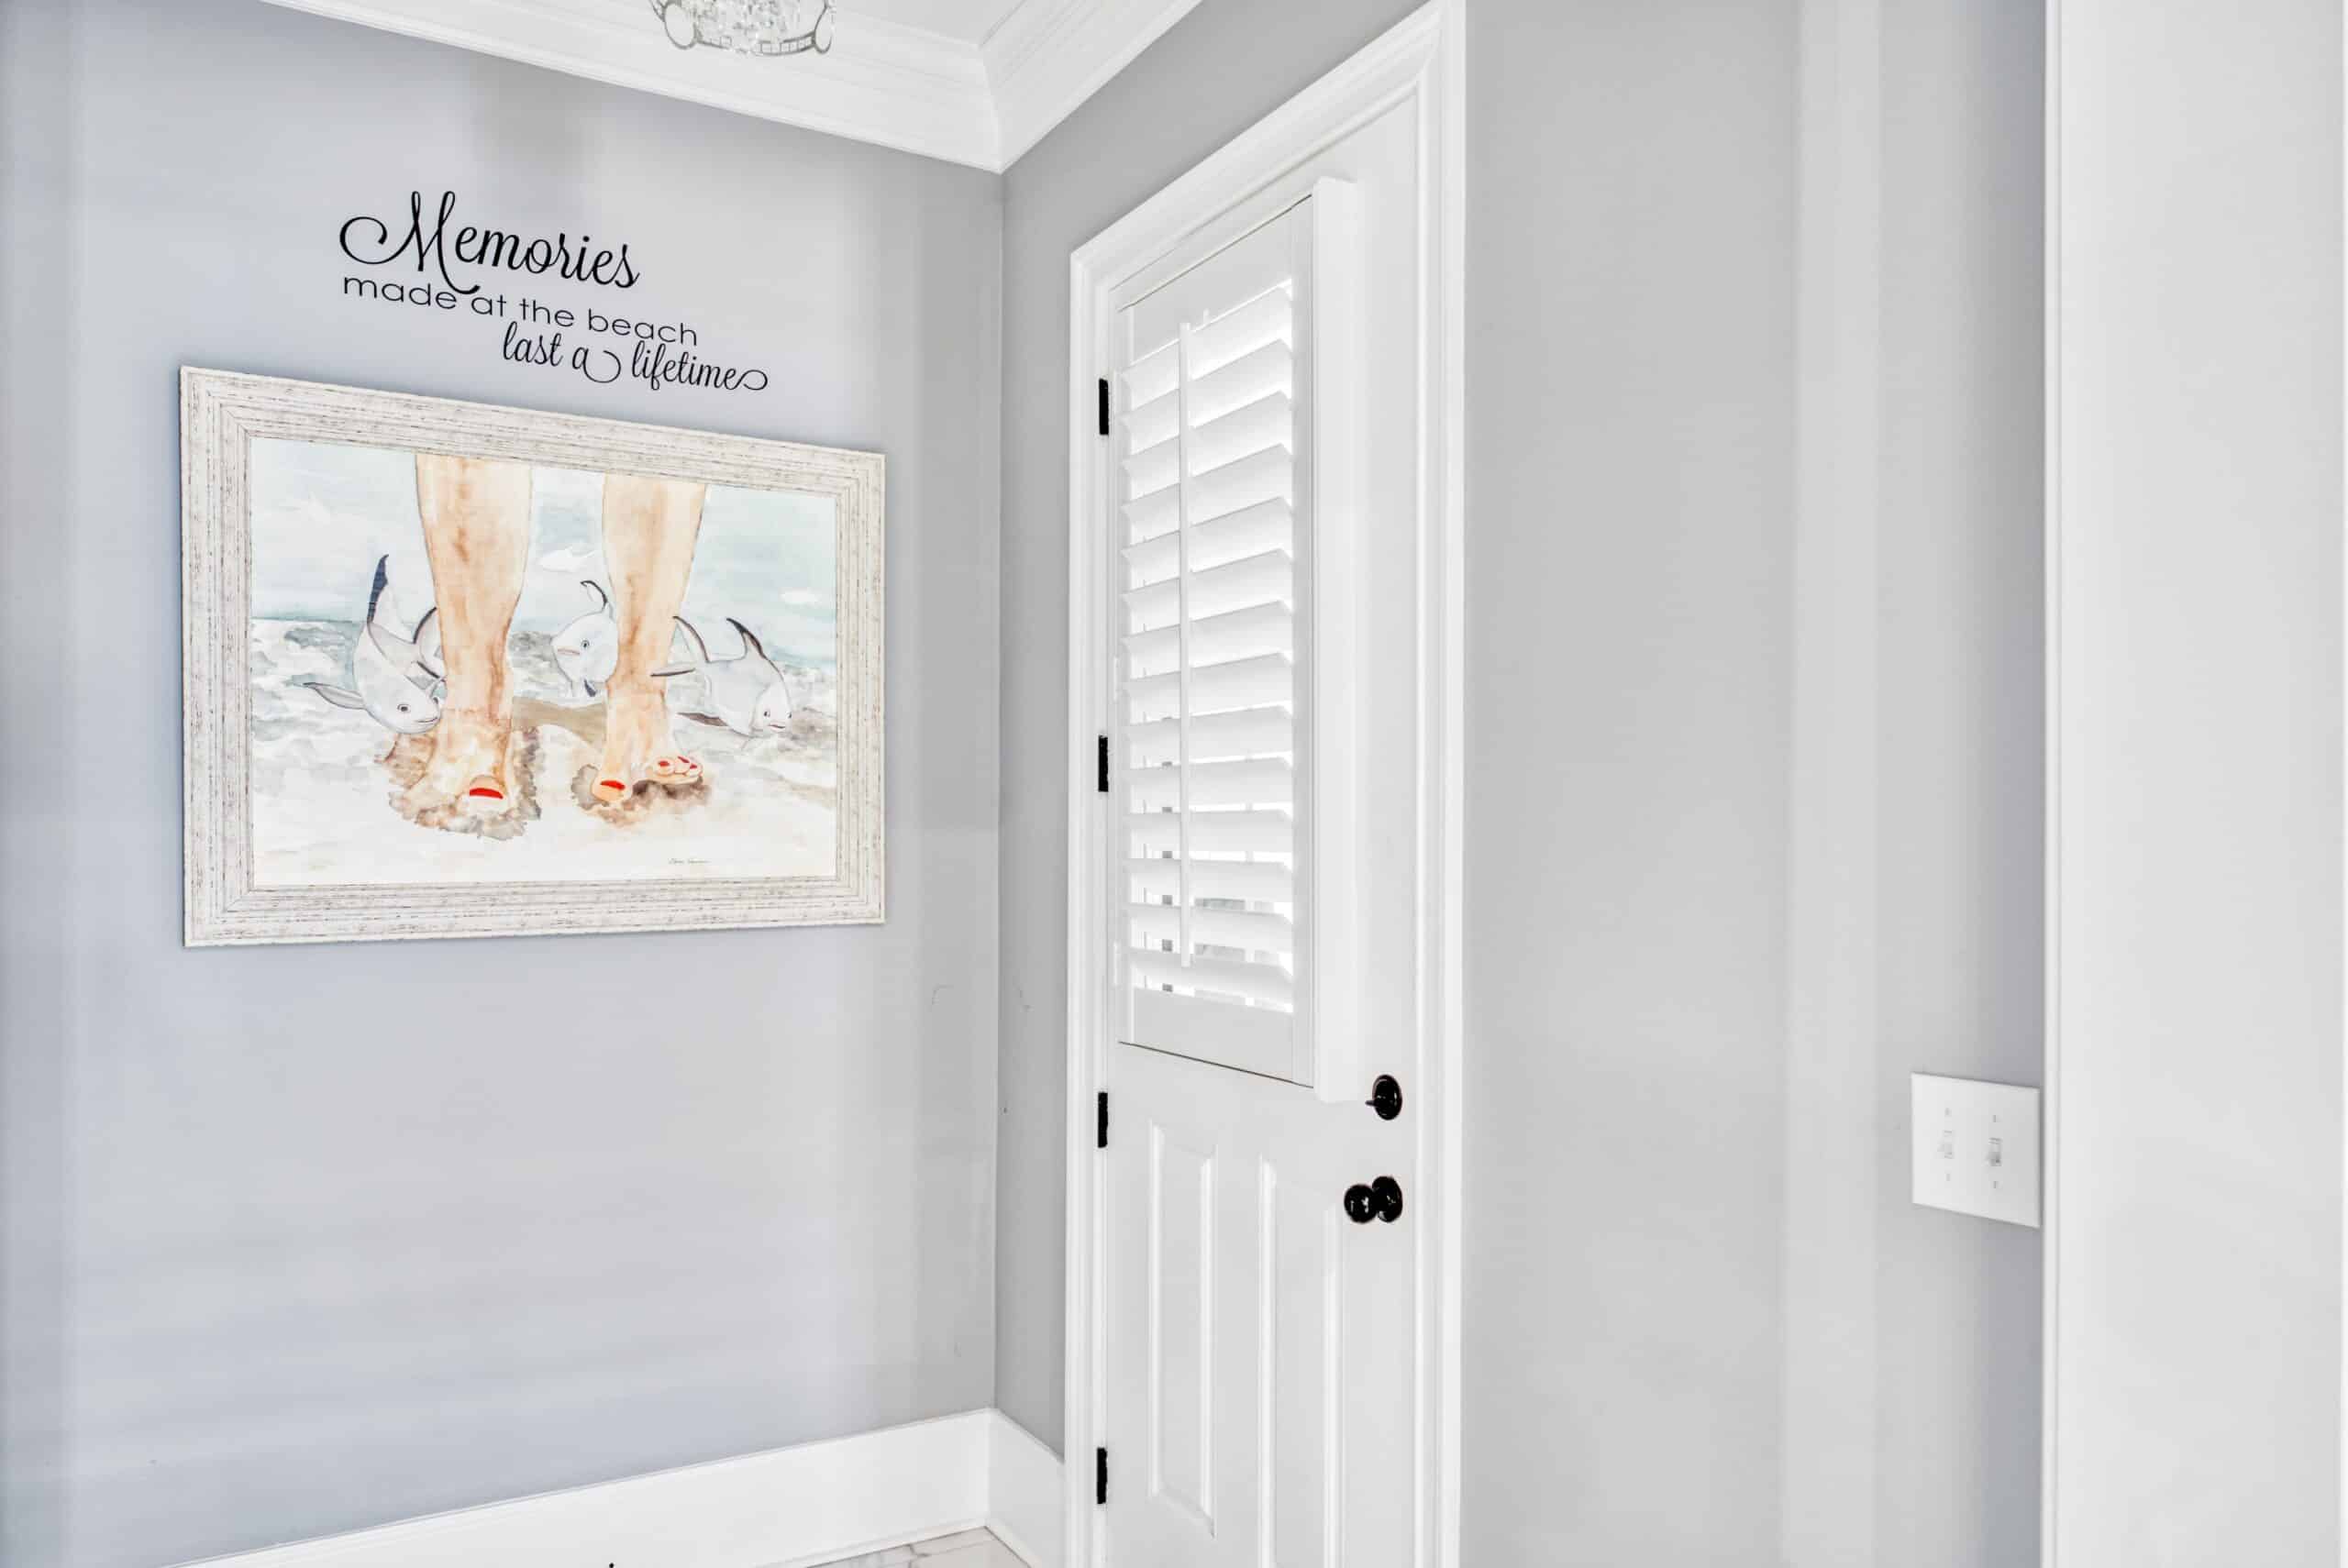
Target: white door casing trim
point(1422, 60)
point(786, 1508)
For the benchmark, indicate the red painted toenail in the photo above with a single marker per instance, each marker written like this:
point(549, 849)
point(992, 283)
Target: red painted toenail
point(610, 784)
point(486, 794)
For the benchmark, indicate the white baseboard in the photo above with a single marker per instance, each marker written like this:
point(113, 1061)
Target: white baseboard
point(1024, 1501)
point(789, 1507)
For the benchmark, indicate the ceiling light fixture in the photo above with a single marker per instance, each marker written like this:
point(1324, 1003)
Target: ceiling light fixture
point(767, 27)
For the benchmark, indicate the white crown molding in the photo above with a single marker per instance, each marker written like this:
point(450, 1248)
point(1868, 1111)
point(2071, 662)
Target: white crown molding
point(895, 86)
point(980, 105)
point(1048, 56)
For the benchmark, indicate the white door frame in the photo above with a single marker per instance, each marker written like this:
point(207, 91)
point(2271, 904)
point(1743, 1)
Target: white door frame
point(1420, 60)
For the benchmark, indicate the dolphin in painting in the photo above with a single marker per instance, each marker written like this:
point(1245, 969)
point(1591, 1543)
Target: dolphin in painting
point(746, 693)
point(588, 650)
point(394, 679)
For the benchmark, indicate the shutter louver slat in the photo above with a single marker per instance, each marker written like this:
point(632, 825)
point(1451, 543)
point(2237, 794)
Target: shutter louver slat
point(1154, 375)
point(1267, 371)
point(1254, 580)
point(1149, 694)
point(1252, 881)
point(1243, 732)
point(1267, 319)
point(1258, 426)
point(1155, 604)
point(1153, 744)
point(1232, 832)
point(1152, 652)
point(1233, 635)
point(1253, 530)
point(1242, 683)
point(1153, 514)
point(1254, 781)
point(1148, 424)
point(1249, 932)
point(1265, 578)
point(1156, 559)
point(1218, 493)
point(1239, 732)
point(1231, 978)
point(1149, 472)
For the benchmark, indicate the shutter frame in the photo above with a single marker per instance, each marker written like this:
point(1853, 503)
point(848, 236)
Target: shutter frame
point(1248, 541)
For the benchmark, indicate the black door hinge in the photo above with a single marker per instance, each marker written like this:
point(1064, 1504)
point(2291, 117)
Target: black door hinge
point(1101, 1475)
point(1104, 765)
point(1105, 406)
point(1102, 1131)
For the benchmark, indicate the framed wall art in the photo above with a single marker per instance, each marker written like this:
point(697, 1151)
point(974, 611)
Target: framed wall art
point(461, 670)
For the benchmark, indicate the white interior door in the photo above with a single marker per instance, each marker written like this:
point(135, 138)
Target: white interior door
point(1259, 936)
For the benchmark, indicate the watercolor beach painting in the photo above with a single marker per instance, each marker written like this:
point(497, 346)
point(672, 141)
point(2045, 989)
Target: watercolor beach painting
point(469, 670)
point(327, 519)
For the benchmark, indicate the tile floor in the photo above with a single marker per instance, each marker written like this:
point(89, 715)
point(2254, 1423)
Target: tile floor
point(972, 1549)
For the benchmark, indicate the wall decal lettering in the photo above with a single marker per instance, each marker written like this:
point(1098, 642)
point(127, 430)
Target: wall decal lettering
point(449, 259)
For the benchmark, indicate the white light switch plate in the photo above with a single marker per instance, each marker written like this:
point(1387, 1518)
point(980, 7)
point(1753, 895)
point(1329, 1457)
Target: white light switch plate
point(1976, 1148)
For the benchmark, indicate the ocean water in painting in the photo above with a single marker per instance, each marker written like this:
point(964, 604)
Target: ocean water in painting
point(323, 753)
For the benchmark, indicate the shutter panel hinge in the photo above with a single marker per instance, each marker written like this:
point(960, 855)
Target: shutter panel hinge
point(1102, 1129)
point(1101, 1475)
point(1104, 765)
point(1105, 406)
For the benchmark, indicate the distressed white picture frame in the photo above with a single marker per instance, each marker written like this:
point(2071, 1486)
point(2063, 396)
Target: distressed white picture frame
point(221, 415)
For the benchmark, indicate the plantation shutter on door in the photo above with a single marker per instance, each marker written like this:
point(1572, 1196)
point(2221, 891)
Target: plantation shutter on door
point(1234, 442)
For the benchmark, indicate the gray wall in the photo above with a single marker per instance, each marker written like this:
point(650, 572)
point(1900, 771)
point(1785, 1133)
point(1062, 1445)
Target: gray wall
point(2196, 1333)
point(1632, 221)
point(1913, 1366)
point(1635, 195)
point(299, 1240)
point(1960, 757)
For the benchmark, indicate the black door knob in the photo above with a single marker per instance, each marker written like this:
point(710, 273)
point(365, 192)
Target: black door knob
point(1379, 1200)
point(1385, 1097)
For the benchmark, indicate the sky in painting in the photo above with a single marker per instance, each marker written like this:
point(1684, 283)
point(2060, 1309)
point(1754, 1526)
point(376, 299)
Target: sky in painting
point(323, 514)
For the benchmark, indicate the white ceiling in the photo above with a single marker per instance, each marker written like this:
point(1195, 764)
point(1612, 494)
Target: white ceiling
point(975, 82)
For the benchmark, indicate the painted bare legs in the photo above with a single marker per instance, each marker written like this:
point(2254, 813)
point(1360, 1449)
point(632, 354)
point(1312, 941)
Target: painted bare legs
point(649, 529)
point(477, 535)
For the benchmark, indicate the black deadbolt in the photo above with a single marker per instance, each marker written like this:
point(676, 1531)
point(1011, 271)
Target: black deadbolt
point(1385, 1097)
point(1379, 1200)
